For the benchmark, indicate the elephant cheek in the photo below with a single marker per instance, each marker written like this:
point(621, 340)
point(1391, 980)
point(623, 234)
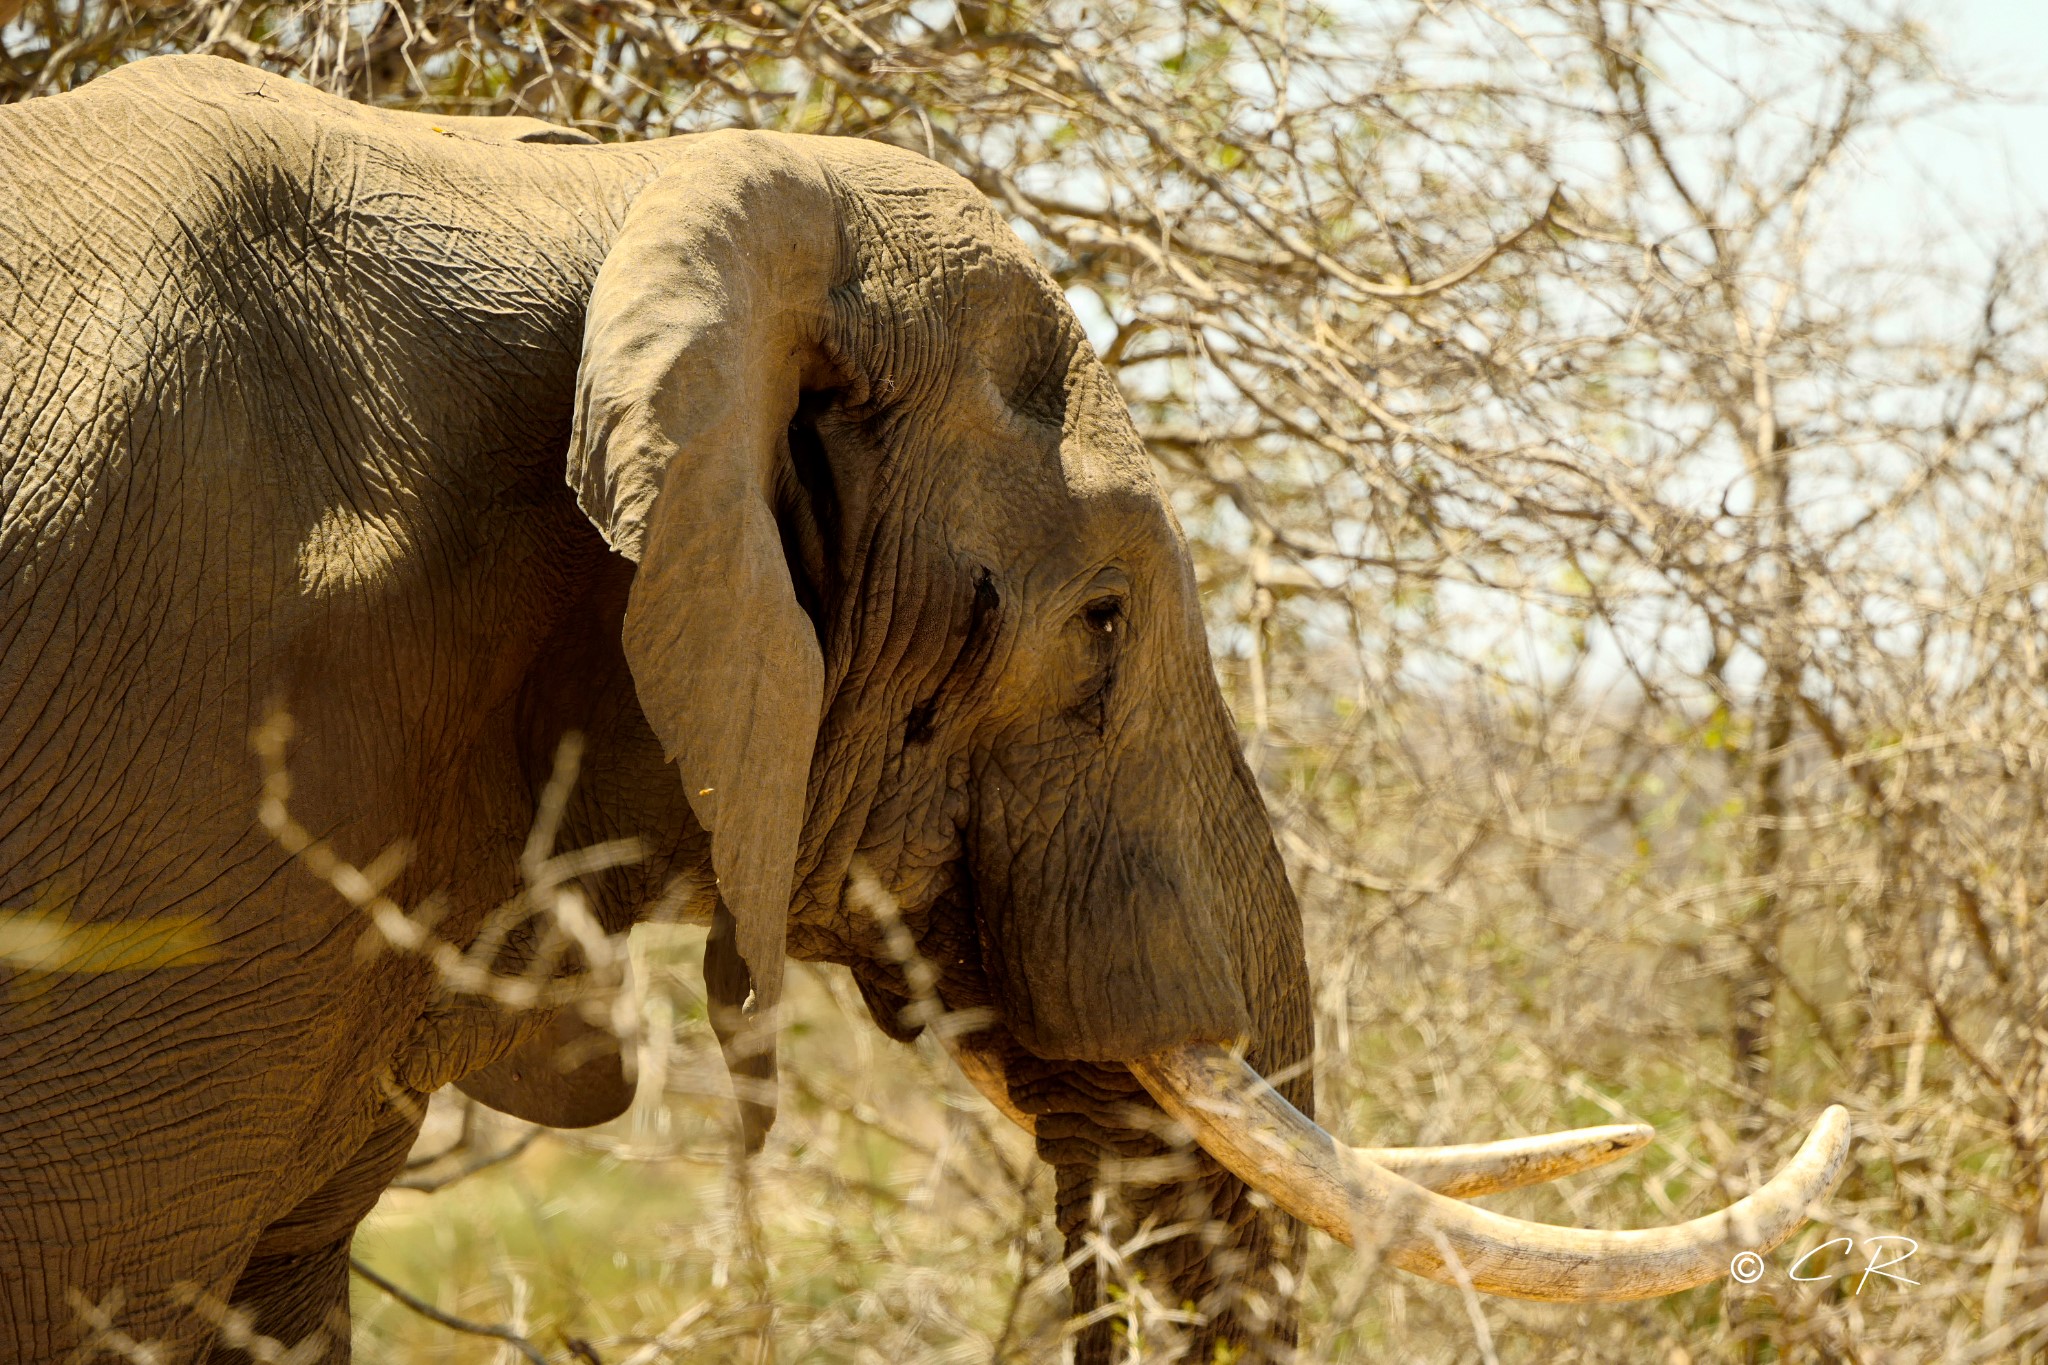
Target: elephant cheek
point(1129, 961)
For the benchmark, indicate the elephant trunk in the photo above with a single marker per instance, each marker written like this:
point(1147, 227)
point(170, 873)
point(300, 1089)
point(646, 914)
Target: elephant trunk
point(1142, 1208)
point(1225, 1266)
point(1178, 928)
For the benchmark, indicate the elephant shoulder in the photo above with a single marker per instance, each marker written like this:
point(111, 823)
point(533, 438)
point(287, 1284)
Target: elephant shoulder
point(156, 112)
point(179, 77)
point(184, 121)
point(259, 100)
point(152, 151)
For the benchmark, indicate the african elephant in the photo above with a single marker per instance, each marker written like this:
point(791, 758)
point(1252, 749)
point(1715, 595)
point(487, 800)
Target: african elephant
point(775, 468)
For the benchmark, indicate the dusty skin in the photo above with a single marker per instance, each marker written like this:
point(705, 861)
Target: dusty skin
point(771, 467)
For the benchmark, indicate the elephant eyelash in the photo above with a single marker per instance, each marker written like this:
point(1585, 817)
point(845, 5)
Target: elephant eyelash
point(1103, 620)
point(1104, 616)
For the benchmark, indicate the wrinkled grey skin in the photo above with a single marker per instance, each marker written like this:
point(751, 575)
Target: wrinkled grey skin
point(346, 411)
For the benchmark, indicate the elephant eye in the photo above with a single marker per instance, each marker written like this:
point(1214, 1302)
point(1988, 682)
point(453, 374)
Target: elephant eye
point(1104, 615)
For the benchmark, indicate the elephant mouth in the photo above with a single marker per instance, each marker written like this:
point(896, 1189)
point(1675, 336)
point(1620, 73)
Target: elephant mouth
point(1402, 1206)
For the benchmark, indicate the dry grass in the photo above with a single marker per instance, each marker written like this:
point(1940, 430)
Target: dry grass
point(893, 1216)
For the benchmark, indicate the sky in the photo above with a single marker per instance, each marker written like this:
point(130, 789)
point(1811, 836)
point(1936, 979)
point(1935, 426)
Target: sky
point(1990, 162)
point(1955, 186)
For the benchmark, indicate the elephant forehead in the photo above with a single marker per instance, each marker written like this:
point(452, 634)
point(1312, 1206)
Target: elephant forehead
point(1102, 464)
point(1074, 448)
point(1051, 513)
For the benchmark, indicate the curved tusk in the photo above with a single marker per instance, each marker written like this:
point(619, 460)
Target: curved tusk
point(1269, 1144)
point(1477, 1168)
point(1459, 1172)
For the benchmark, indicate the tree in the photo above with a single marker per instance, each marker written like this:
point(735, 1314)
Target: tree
point(1627, 567)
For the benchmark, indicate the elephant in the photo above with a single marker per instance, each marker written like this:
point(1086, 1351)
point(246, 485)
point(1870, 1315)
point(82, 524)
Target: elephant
point(771, 466)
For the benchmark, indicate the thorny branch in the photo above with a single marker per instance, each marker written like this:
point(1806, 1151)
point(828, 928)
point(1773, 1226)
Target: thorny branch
point(449, 1320)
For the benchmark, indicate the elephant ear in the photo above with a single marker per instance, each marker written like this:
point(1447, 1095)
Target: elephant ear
point(702, 329)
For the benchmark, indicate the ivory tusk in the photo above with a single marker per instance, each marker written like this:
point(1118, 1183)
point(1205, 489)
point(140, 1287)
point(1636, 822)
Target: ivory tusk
point(1269, 1144)
point(1472, 1169)
point(1460, 1172)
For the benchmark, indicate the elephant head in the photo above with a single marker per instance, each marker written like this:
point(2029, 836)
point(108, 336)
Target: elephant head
point(911, 605)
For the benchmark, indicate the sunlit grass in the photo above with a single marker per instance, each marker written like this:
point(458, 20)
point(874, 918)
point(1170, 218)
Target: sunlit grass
point(879, 1223)
point(894, 1218)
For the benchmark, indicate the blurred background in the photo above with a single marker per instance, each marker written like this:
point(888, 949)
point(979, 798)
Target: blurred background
point(1609, 432)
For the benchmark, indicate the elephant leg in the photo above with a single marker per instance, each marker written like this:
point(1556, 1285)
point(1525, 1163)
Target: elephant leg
point(299, 1300)
point(294, 1288)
